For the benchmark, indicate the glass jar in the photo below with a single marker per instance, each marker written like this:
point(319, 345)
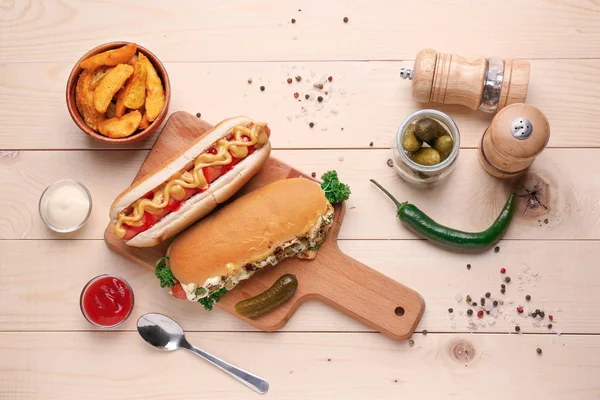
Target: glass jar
point(425, 174)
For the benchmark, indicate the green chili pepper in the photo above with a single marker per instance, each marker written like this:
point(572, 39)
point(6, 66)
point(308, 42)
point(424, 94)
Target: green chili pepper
point(426, 227)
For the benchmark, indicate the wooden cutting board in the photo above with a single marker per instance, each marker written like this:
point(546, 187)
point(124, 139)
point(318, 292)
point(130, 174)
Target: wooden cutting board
point(332, 277)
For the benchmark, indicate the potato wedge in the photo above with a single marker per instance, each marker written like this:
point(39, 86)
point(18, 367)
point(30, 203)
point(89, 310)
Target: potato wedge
point(135, 88)
point(121, 127)
point(84, 99)
point(144, 123)
point(155, 93)
point(98, 75)
point(110, 85)
point(120, 105)
point(110, 58)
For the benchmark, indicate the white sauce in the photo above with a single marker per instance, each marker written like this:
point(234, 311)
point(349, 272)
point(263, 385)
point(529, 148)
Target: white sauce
point(65, 206)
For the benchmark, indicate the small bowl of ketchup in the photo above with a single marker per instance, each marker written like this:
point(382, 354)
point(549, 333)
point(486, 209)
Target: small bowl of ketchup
point(106, 301)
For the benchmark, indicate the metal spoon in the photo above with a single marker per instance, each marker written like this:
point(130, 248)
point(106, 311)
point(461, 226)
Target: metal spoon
point(163, 333)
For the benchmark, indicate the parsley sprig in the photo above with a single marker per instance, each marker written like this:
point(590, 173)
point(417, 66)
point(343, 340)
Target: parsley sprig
point(335, 191)
point(163, 273)
point(212, 298)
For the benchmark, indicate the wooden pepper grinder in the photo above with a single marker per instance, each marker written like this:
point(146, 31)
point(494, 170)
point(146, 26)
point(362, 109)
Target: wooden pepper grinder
point(517, 134)
point(487, 84)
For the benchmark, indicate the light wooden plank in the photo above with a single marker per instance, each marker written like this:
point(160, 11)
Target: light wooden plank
point(111, 365)
point(41, 282)
point(370, 101)
point(471, 199)
point(55, 30)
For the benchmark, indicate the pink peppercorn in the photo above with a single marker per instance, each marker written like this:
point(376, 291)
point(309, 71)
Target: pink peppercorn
point(502, 270)
point(296, 95)
point(480, 313)
point(520, 310)
point(330, 78)
point(550, 317)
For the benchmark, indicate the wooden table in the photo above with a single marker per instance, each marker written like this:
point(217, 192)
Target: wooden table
point(210, 49)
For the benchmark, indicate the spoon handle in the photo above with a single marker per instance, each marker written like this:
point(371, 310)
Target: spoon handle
point(254, 382)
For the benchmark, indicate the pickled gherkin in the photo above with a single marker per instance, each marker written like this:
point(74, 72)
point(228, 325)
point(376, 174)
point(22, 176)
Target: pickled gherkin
point(410, 141)
point(281, 291)
point(426, 156)
point(428, 129)
point(444, 145)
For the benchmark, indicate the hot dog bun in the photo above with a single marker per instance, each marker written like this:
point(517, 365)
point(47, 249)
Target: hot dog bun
point(200, 204)
point(248, 230)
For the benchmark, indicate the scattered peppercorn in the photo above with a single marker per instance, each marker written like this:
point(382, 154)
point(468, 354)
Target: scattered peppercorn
point(480, 314)
point(488, 294)
point(474, 304)
point(537, 310)
point(249, 80)
point(320, 98)
point(542, 314)
point(520, 310)
point(482, 301)
point(450, 310)
point(371, 144)
point(517, 328)
point(307, 96)
point(507, 279)
point(468, 298)
point(198, 115)
point(534, 314)
point(326, 93)
point(550, 317)
point(262, 88)
point(330, 78)
point(487, 312)
point(318, 85)
point(345, 20)
point(311, 124)
point(502, 285)
point(293, 21)
point(298, 78)
point(549, 326)
point(425, 332)
point(296, 95)
point(502, 290)
point(468, 266)
point(469, 312)
point(528, 297)
point(411, 343)
point(289, 80)
point(313, 174)
point(495, 303)
point(502, 270)
point(539, 351)
point(546, 221)
point(496, 249)
point(390, 163)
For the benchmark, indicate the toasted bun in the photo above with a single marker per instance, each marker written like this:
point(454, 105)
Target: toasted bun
point(201, 204)
point(247, 230)
point(167, 169)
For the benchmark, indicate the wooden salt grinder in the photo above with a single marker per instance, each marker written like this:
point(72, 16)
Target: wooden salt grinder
point(487, 84)
point(517, 134)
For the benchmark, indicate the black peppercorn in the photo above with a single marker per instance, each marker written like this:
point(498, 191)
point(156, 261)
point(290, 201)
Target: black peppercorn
point(549, 326)
point(320, 98)
point(262, 88)
point(313, 174)
point(306, 96)
point(198, 115)
point(450, 310)
point(289, 80)
point(482, 301)
point(468, 266)
point(469, 312)
point(371, 144)
point(502, 290)
point(293, 21)
point(539, 351)
point(311, 124)
point(517, 328)
point(488, 294)
point(474, 304)
point(502, 285)
point(542, 314)
point(496, 249)
point(528, 297)
point(495, 303)
point(390, 163)
point(424, 332)
point(507, 279)
point(345, 20)
point(249, 80)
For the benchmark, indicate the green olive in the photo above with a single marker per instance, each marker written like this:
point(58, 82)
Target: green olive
point(444, 145)
point(427, 156)
point(428, 129)
point(410, 141)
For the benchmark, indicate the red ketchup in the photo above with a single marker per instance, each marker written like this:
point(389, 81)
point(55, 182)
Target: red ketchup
point(106, 301)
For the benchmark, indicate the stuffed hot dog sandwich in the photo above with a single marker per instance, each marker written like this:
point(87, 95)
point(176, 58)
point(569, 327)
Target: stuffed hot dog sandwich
point(287, 218)
point(188, 187)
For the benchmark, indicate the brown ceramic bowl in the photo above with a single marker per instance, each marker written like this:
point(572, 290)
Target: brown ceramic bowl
point(72, 82)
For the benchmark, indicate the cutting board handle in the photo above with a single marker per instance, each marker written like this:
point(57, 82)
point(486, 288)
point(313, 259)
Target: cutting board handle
point(367, 295)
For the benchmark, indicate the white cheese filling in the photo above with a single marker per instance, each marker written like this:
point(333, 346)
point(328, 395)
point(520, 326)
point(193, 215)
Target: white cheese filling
point(305, 247)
